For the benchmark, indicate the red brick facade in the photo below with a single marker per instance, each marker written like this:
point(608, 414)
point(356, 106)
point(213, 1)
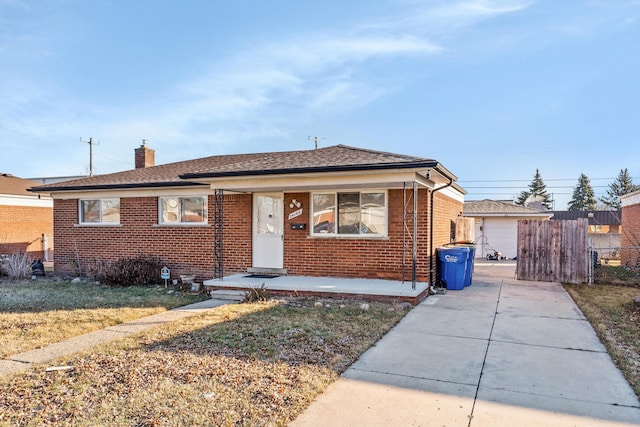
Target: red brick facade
point(630, 236)
point(189, 249)
point(370, 258)
point(184, 249)
point(22, 227)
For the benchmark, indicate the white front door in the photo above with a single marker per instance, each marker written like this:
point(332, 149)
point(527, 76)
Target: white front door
point(268, 230)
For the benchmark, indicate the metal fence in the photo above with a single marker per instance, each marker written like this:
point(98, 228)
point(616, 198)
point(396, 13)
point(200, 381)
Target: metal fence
point(615, 264)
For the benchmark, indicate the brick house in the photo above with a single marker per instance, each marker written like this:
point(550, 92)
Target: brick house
point(26, 219)
point(335, 211)
point(630, 236)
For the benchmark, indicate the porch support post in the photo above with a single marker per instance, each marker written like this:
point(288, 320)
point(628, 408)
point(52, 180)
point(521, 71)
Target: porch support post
point(404, 225)
point(410, 230)
point(415, 236)
point(218, 226)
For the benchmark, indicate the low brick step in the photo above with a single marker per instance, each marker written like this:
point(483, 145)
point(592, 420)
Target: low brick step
point(228, 295)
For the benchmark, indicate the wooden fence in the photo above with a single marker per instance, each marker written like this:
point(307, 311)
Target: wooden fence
point(553, 251)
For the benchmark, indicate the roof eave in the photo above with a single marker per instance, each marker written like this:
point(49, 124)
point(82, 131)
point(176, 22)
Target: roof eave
point(314, 169)
point(505, 214)
point(116, 186)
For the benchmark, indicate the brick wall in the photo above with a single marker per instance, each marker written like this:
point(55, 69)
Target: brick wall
point(371, 258)
point(630, 235)
point(184, 249)
point(22, 227)
point(189, 250)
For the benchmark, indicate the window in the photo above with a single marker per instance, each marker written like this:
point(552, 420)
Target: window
point(350, 213)
point(100, 211)
point(181, 210)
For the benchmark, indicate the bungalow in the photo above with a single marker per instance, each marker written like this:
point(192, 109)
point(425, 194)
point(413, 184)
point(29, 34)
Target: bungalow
point(496, 225)
point(336, 211)
point(26, 219)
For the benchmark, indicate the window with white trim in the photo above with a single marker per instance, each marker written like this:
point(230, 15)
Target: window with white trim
point(349, 213)
point(100, 211)
point(183, 210)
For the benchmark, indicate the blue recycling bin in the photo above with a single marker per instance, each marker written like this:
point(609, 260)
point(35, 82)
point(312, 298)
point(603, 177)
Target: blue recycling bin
point(468, 271)
point(452, 266)
point(472, 257)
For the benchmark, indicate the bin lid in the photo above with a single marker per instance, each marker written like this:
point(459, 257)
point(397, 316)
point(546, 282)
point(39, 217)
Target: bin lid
point(453, 254)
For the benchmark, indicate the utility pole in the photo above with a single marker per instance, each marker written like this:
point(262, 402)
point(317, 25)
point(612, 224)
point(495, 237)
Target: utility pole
point(91, 144)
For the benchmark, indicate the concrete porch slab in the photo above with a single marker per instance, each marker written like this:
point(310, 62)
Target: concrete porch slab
point(375, 289)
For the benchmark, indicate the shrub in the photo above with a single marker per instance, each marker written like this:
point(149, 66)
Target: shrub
point(255, 294)
point(16, 265)
point(143, 270)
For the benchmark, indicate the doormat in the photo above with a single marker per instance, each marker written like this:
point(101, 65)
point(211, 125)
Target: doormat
point(262, 276)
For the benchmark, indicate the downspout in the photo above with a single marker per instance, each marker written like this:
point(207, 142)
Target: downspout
point(431, 282)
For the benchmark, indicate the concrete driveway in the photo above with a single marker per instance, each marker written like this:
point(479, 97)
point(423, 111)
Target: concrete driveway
point(501, 352)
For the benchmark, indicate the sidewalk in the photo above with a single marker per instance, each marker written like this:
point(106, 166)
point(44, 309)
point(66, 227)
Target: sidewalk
point(498, 353)
point(22, 361)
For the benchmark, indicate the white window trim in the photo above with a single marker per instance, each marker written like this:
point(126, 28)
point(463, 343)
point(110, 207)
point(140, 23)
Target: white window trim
point(205, 223)
point(100, 223)
point(336, 235)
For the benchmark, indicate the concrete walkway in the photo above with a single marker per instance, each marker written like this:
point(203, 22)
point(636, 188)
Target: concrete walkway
point(26, 360)
point(498, 353)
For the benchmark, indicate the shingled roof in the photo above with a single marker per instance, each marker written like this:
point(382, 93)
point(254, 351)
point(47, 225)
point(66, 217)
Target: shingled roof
point(594, 217)
point(14, 186)
point(333, 158)
point(494, 207)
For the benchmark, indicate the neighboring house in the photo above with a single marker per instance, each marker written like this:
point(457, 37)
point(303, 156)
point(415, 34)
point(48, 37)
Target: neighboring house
point(55, 179)
point(496, 225)
point(604, 229)
point(630, 236)
point(26, 219)
point(336, 211)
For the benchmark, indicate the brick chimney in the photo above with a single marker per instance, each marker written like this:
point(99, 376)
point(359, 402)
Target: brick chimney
point(145, 156)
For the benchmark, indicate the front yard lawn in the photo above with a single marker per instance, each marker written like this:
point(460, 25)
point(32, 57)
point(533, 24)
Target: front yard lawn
point(35, 314)
point(236, 365)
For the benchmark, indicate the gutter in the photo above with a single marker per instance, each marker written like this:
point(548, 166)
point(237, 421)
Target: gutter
point(49, 189)
point(431, 282)
point(313, 169)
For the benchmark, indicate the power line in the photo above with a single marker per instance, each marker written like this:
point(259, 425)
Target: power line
point(547, 187)
point(544, 180)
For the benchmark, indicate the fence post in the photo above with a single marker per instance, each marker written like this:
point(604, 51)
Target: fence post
point(590, 261)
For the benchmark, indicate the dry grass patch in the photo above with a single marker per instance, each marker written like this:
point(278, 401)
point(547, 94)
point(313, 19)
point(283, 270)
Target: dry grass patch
point(240, 365)
point(35, 314)
point(611, 312)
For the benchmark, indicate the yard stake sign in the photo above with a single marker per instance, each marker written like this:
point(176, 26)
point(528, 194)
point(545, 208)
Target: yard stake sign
point(165, 273)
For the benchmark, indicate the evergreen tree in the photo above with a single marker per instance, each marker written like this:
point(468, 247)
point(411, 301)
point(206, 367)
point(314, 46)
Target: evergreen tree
point(538, 190)
point(622, 185)
point(584, 198)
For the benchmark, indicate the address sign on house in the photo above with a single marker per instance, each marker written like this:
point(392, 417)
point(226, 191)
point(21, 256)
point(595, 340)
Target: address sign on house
point(295, 214)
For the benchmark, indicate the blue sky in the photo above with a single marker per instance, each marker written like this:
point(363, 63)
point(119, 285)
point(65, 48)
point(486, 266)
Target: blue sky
point(491, 89)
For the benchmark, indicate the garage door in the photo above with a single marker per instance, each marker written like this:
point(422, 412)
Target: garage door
point(501, 235)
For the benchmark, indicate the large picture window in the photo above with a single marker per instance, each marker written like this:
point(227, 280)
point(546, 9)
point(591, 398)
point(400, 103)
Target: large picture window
point(100, 211)
point(183, 210)
point(350, 213)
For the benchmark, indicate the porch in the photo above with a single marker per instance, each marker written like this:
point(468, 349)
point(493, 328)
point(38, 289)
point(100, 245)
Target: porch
point(332, 287)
